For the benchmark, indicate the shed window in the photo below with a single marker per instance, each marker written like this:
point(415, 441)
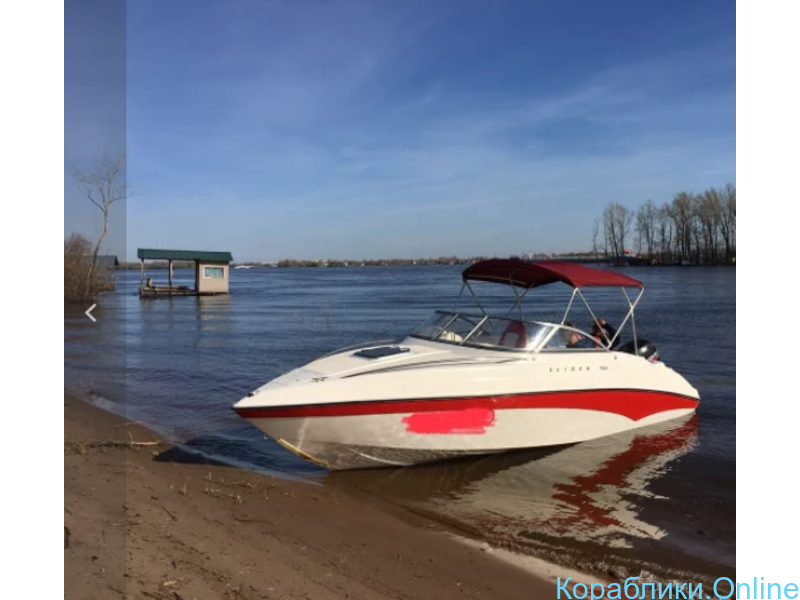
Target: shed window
point(213, 273)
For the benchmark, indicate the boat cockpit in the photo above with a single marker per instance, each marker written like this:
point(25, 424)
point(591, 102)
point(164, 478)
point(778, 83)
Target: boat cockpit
point(504, 333)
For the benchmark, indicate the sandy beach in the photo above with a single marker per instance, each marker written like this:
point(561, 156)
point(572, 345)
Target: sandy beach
point(145, 520)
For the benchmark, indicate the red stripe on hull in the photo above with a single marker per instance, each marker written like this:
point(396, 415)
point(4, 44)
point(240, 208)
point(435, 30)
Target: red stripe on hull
point(634, 404)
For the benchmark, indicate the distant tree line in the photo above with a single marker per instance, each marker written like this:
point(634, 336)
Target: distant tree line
point(698, 229)
point(388, 262)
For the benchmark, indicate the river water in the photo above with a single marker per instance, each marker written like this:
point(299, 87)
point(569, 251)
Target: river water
point(661, 499)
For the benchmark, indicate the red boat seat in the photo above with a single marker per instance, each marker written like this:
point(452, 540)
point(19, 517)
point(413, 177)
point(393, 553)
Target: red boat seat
point(515, 329)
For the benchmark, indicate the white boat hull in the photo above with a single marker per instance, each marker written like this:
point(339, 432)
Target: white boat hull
point(353, 442)
point(347, 413)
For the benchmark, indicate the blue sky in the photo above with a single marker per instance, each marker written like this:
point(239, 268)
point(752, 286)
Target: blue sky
point(376, 128)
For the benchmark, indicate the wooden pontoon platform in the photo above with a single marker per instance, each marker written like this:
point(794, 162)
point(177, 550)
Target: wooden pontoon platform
point(211, 271)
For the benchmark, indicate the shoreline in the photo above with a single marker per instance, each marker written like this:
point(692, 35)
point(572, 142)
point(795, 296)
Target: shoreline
point(373, 263)
point(144, 519)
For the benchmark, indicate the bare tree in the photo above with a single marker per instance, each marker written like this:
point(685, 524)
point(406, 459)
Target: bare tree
point(695, 227)
point(77, 261)
point(728, 221)
point(610, 230)
point(709, 215)
point(681, 213)
point(646, 219)
point(624, 221)
point(105, 185)
point(665, 233)
point(77, 249)
point(617, 221)
point(595, 235)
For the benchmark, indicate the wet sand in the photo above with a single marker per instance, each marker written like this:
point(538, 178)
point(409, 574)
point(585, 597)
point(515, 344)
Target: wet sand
point(145, 520)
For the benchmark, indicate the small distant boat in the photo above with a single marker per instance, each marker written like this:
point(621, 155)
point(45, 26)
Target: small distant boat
point(243, 267)
point(629, 259)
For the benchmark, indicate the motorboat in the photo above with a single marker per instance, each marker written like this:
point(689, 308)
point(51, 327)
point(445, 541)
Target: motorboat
point(476, 382)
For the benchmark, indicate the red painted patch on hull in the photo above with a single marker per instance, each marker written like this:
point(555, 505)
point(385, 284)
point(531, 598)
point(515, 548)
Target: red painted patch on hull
point(467, 421)
point(633, 404)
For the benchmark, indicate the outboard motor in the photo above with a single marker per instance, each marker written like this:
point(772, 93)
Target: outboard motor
point(646, 349)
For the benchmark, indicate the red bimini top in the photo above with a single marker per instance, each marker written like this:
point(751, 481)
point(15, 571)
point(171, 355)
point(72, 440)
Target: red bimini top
point(534, 274)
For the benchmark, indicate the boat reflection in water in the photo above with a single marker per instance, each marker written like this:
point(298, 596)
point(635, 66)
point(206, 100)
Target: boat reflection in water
point(589, 492)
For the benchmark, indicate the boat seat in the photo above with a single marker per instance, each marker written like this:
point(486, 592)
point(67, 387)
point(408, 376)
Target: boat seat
point(515, 335)
point(450, 336)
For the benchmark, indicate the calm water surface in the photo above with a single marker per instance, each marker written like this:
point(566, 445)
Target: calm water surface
point(661, 499)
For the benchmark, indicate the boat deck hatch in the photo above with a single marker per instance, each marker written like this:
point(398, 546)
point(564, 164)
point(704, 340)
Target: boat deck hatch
point(380, 352)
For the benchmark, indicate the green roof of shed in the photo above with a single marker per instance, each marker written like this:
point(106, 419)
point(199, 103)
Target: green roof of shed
point(151, 254)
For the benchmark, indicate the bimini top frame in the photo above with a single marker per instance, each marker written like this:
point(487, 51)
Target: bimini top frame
point(528, 275)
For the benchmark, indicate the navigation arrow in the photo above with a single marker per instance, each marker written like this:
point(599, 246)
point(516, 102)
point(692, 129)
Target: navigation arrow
point(89, 310)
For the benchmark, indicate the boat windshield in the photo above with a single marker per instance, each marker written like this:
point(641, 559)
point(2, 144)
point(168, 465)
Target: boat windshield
point(486, 332)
